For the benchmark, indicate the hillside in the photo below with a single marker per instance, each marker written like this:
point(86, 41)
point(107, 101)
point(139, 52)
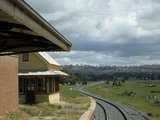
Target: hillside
point(95, 73)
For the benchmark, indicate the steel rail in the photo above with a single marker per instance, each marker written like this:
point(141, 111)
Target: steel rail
point(104, 110)
point(101, 99)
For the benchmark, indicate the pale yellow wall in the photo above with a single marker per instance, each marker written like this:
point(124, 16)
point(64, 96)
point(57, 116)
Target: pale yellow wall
point(34, 64)
point(54, 98)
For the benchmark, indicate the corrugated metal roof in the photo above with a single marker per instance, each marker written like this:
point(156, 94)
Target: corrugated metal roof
point(44, 73)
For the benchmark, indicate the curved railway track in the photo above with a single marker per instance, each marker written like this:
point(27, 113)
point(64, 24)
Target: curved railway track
point(105, 117)
point(112, 111)
point(103, 104)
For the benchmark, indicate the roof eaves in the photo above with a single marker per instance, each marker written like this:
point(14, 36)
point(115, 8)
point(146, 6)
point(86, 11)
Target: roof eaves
point(21, 4)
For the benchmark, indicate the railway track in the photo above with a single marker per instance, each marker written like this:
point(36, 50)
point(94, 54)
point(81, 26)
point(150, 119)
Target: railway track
point(104, 113)
point(112, 111)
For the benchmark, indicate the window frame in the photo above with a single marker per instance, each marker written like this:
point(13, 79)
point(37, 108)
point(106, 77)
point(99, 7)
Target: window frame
point(25, 57)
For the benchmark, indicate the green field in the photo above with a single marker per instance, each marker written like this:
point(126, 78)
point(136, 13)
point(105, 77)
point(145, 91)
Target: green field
point(144, 96)
point(70, 95)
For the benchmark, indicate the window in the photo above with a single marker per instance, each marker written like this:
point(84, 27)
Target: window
point(40, 83)
point(21, 86)
point(25, 57)
point(51, 85)
point(57, 84)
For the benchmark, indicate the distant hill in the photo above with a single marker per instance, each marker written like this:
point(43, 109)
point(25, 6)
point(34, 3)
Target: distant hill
point(95, 73)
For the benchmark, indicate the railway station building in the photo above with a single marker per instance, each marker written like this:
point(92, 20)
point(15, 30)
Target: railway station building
point(39, 76)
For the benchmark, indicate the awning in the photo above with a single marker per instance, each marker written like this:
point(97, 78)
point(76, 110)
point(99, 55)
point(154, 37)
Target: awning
point(44, 73)
point(23, 30)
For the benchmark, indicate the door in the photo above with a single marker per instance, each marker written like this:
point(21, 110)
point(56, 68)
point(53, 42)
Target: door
point(30, 92)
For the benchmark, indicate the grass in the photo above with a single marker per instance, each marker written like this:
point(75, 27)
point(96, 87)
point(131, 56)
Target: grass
point(72, 96)
point(140, 98)
point(19, 115)
point(72, 107)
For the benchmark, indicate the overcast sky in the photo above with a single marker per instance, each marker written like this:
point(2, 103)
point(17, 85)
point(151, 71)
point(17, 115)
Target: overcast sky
point(105, 32)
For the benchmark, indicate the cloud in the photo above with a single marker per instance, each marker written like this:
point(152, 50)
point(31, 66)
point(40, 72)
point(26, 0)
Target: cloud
point(98, 58)
point(127, 30)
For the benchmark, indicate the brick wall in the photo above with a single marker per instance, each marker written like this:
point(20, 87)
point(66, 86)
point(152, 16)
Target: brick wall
point(8, 84)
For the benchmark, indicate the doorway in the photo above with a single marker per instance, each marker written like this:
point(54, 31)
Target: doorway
point(30, 97)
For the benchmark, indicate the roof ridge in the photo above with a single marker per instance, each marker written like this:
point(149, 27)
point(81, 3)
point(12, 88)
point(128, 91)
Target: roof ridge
point(48, 58)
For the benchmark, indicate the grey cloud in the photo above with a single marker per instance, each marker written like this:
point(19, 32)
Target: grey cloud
point(122, 50)
point(125, 29)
